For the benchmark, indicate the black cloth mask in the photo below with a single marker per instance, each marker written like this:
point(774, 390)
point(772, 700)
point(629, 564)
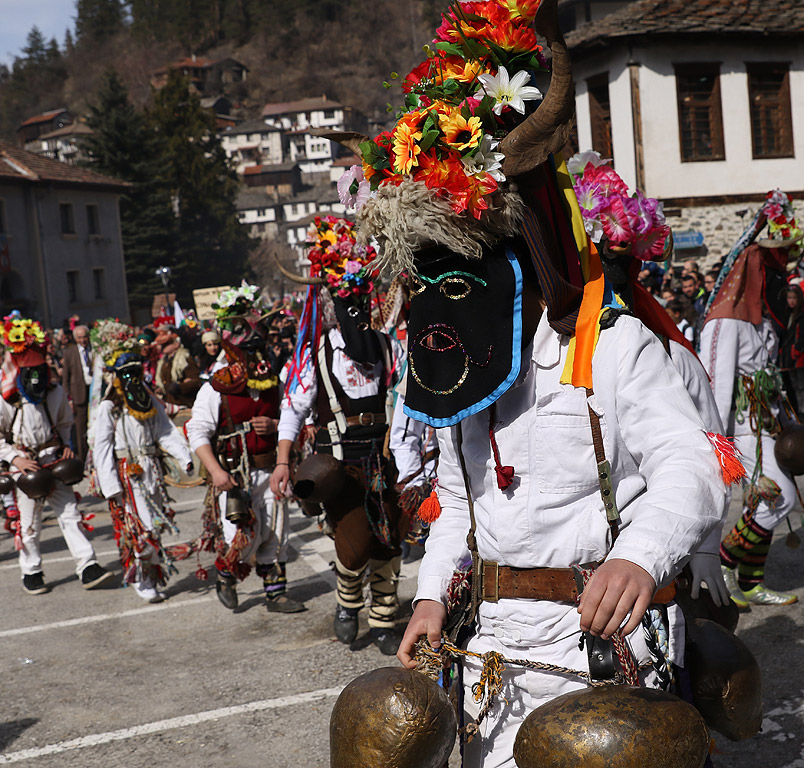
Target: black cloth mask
point(134, 390)
point(33, 381)
point(361, 343)
point(464, 332)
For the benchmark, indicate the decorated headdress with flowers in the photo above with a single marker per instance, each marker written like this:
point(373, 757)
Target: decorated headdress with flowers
point(24, 338)
point(112, 339)
point(472, 120)
point(783, 228)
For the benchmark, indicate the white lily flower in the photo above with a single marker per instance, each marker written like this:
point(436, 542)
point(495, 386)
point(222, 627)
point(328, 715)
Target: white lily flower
point(485, 159)
point(579, 161)
point(508, 92)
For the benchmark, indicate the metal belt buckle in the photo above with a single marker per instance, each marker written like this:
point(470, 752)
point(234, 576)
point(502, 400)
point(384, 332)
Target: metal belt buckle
point(363, 423)
point(494, 597)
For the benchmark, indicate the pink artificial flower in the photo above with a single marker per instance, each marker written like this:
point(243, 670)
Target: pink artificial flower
point(610, 183)
point(353, 267)
point(589, 197)
point(353, 189)
point(614, 219)
point(650, 247)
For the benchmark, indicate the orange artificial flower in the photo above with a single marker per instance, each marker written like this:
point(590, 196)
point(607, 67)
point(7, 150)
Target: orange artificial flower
point(460, 133)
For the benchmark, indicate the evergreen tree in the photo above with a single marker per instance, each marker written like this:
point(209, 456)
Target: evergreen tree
point(124, 146)
point(213, 245)
point(97, 20)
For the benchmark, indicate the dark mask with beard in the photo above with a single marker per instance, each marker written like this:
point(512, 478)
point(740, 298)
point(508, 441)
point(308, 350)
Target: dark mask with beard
point(361, 343)
point(33, 382)
point(465, 333)
point(130, 385)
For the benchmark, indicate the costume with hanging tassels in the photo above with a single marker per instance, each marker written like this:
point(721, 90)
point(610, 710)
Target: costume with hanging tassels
point(341, 374)
point(540, 479)
point(129, 425)
point(739, 347)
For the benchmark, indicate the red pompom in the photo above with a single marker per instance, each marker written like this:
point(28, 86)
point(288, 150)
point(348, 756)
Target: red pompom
point(430, 508)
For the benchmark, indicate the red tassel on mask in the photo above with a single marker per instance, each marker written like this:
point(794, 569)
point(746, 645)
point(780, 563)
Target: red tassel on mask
point(430, 508)
point(729, 457)
point(505, 474)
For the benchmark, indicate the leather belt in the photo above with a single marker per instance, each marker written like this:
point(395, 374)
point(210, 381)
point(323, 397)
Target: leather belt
point(365, 420)
point(501, 582)
point(263, 460)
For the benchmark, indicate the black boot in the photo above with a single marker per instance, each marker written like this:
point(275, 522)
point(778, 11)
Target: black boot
point(226, 589)
point(281, 603)
point(386, 640)
point(345, 624)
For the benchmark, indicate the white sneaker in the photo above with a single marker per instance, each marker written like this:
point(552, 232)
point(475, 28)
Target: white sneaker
point(146, 591)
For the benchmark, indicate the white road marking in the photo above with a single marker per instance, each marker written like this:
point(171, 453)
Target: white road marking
point(102, 617)
point(96, 739)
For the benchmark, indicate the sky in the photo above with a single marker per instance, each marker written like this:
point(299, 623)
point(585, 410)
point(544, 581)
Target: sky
point(17, 17)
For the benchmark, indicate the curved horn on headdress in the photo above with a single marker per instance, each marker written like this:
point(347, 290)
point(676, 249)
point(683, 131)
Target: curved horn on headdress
point(547, 129)
point(297, 278)
point(349, 139)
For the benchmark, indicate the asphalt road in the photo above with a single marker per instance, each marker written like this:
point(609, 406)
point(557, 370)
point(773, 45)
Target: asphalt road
point(101, 678)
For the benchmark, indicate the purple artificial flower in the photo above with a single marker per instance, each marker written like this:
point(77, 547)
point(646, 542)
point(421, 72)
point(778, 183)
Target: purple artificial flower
point(353, 189)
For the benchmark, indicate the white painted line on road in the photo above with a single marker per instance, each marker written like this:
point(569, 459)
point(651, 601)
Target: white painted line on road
point(160, 726)
point(102, 617)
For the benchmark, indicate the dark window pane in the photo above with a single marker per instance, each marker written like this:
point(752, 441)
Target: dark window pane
point(769, 100)
point(699, 112)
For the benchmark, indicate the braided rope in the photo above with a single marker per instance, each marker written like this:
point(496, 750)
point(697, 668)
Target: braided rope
point(657, 656)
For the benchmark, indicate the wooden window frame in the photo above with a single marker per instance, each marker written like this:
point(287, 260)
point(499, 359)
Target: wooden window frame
point(600, 115)
point(715, 106)
point(784, 136)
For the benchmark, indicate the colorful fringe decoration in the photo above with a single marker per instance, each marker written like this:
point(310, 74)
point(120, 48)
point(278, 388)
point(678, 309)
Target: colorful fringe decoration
point(729, 457)
point(430, 508)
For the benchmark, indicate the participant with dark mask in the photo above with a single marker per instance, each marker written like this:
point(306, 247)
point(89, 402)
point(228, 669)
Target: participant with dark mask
point(35, 424)
point(575, 473)
point(129, 425)
point(233, 432)
point(739, 348)
point(340, 374)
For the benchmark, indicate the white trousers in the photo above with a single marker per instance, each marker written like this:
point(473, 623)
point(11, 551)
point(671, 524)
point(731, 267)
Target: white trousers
point(269, 544)
point(62, 499)
point(523, 691)
point(767, 516)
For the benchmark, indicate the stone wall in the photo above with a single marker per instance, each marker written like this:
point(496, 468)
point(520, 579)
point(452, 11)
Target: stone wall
point(720, 225)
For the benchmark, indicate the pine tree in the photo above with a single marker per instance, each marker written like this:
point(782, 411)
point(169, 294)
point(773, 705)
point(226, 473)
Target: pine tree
point(212, 245)
point(124, 146)
point(97, 20)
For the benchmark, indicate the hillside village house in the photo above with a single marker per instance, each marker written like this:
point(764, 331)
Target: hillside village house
point(60, 245)
point(699, 102)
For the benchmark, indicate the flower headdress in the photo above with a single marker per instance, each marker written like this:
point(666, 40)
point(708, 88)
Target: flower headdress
point(468, 125)
point(19, 334)
point(112, 339)
point(633, 222)
point(335, 255)
point(783, 228)
point(244, 301)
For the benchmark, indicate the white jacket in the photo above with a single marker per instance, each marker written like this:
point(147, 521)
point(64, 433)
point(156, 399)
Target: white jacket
point(139, 438)
point(666, 477)
point(409, 442)
point(32, 427)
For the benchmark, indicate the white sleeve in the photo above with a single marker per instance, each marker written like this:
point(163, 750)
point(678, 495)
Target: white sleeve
point(446, 547)
point(7, 450)
point(405, 443)
point(204, 423)
point(297, 406)
point(697, 383)
point(170, 439)
point(720, 344)
point(685, 495)
point(103, 455)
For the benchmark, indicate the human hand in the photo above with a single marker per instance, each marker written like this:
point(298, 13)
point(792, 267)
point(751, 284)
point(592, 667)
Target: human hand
point(428, 618)
point(280, 478)
point(67, 453)
point(24, 464)
point(264, 425)
point(705, 568)
point(222, 480)
point(617, 588)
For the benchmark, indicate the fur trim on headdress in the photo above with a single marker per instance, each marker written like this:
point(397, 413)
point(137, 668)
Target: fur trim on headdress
point(407, 216)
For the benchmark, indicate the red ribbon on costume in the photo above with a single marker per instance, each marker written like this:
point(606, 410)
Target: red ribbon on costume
point(505, 474)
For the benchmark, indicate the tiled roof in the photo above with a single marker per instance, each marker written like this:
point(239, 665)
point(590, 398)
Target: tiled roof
point(255, 170)
point(45, 117)
point(16, 163)
point(303, 105)
point(762, 18)
point(256, 125)
point(73, 129)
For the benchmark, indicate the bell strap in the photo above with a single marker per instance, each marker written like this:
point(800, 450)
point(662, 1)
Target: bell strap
point(603, 470)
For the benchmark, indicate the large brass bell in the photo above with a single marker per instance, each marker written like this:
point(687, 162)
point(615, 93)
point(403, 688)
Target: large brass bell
point(788, 450)
point(392, 718)
point(237, 506)
point(613, 726)
point(68, 471)
point(319, 478)
point(726, 682)
point(37, 483)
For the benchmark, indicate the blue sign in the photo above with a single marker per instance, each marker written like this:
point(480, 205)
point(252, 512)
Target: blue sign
point(688, 239)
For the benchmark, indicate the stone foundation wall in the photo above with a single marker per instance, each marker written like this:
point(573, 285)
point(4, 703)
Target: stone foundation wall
point(721, 225)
